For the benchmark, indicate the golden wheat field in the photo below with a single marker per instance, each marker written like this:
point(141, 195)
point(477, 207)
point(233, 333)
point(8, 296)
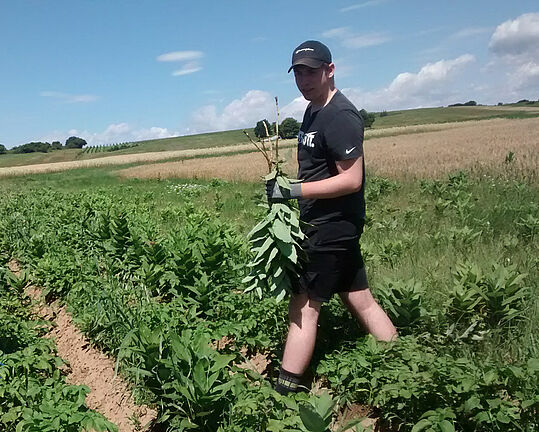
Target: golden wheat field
point(427, 152)
point(123, 159)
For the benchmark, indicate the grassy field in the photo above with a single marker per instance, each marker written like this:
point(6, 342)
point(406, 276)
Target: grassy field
point(150, 267)
point(394, 119)
point(453, 114)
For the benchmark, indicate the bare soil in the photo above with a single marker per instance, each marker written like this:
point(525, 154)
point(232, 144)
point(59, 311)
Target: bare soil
point(109, 395)
point(356, 412)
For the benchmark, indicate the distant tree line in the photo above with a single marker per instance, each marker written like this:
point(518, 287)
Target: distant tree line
point(289, 127)
point(526, 102)
point(44, 147)
point(469, 103)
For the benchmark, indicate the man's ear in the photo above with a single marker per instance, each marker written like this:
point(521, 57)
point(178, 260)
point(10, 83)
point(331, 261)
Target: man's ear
point(331, 70)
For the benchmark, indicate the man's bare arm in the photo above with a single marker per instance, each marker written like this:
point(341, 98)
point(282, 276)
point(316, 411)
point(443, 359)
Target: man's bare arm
point(348, 180)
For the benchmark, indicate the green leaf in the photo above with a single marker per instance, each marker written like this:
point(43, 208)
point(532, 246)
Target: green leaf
point(285, 248)
point(283, 182)
point(533, 364)
point(221, 361)
point(271, 175)
point(264, 248)
point(348, 426)
point(248, 279)
point(446, 426)
point(258, 227)
point(472, 403)
point(272, 255)
point(281, 295)
point(281, 231)
point(421, 425)
point(503, 418)
point(324, 405)
point(311, 419)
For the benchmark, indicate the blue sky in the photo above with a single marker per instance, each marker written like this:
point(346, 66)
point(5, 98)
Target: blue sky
point(114, 71)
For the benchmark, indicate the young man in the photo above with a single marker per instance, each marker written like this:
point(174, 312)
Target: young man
point(331, 199)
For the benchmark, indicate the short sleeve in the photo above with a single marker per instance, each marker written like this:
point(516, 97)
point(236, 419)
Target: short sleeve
point(344, 136)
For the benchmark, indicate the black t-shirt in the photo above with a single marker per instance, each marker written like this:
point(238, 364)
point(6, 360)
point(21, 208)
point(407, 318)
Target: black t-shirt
point(332, 133)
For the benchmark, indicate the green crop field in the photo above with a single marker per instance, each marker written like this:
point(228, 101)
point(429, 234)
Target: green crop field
point(151, 272)
point(454, 114)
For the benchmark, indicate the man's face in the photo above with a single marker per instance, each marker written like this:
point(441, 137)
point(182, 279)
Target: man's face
point(313, 83)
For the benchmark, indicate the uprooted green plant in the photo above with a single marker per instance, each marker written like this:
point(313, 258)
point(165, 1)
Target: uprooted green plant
point(276, 240)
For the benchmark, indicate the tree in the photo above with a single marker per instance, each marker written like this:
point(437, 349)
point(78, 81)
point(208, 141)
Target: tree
point(2, 149)
point(75, 142)
point(368, 118)
point(469, 103)
point(56, 145)
point(260, 130)
point(289, 128)
point(32, 147)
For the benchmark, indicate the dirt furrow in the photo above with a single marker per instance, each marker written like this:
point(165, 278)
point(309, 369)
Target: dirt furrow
point(109, 395)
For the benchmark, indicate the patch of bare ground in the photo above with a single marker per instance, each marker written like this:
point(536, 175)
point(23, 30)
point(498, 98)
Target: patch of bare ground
point(356, 412)
point(429, 152)
point(257, 362)
point(109, 395)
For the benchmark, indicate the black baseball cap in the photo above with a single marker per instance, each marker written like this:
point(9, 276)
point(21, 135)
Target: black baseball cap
point(312, 54)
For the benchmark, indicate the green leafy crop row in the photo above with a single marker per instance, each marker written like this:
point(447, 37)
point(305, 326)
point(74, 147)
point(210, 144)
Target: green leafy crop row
point(158, 285)
point(33, 393)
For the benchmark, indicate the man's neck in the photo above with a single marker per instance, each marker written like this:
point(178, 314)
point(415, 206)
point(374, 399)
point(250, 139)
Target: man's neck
point(318, 105)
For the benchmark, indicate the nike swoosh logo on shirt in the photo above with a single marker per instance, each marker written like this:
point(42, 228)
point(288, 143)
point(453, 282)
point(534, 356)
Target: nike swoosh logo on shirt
point(348, 151)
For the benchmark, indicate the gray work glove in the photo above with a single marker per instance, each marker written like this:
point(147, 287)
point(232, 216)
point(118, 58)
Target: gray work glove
point(275, 193)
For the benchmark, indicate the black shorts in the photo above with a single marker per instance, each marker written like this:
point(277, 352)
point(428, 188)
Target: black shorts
point(332, 268)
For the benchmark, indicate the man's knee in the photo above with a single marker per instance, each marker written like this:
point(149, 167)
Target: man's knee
point(358, 300)
point(303, 310)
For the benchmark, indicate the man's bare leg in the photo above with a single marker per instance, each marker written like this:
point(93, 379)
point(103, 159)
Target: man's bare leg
point(368, 312)
point(301, 338)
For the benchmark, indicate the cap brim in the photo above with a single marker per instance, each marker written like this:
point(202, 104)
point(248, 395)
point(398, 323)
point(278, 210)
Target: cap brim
point(309, 62)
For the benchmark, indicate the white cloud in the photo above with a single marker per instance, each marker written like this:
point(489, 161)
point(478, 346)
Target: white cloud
point(350, 39)
point(362, 5)
point(176, 56)
point(190, 59)
point(69, 98)
point(431, 86)
point(527, 77)
point(519, 37)
point(245, 112)
point(429, 76)
point(295, 109)
point(428, 87)
point(469, 32)
point(515, 45)
point(114, 133)
point(187, 68)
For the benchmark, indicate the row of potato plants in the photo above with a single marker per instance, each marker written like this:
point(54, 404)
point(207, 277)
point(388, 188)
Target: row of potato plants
point(34, 395)
point(158, 286)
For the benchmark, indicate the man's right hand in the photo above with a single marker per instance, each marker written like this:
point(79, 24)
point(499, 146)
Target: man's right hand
point(275, 193)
